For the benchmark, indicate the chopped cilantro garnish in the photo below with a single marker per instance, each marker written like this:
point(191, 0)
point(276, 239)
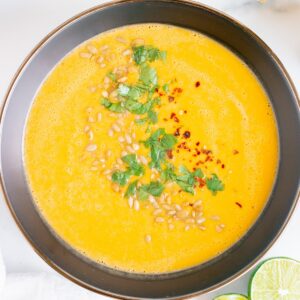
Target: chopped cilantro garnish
point(168, 174)
point(131, 189)
point(148, 75)
point(188, 179)
point(114, 107)
point(133, 168)
point(141, 121)
point(142, 54)
point(120, 177)
point(137, 107)
point(154, 188)
point(159, 142)
point(152, 115)
point(214, 184)
point(132, 92)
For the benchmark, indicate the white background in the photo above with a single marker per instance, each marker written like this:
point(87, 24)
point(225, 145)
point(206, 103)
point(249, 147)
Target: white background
point(24, 23)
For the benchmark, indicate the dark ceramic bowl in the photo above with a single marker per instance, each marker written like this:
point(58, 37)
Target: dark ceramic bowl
point(196, 280)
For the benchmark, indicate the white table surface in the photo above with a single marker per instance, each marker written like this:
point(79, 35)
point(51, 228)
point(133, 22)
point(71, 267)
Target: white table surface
point(24, 23)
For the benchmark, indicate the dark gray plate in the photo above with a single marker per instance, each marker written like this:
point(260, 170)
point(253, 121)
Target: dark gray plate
point(201, 278)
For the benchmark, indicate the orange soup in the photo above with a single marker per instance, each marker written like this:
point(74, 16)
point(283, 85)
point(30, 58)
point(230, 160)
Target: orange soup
point(143, 148)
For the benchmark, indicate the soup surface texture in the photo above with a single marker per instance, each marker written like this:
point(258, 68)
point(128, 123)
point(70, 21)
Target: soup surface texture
point(151, 148)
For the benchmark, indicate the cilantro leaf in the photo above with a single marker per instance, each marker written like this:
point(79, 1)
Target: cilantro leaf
point(152, 115)
point(131, 189)
point(198, 173)
point(137, 107)
point(133, 166)
point(168, 174)
point(168, 141)
point(142, 54)
point(154, 137)
point(120, 177)
point(131, 92)
point(114, 107)
point(159, 142)
point(187, 180)
point(148, 75)
point(141, 121)
point(214, 184)
point(154, 188)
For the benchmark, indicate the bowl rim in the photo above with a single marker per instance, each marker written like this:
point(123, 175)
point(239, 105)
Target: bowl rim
point(112, 3)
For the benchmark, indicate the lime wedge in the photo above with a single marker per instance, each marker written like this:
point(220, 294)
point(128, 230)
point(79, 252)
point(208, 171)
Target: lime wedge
point(231, 297)
point(276, 279)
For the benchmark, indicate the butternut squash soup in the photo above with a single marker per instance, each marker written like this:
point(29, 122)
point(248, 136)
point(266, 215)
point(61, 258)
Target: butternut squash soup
point(151, 148)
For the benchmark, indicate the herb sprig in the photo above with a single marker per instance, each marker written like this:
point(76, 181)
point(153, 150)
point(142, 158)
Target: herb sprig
point(142, 54)
point(159, 143)
point(133, 168)
point(214, 184)
point(154, 188)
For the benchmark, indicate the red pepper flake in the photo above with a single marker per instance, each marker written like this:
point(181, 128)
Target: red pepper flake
point(198, 143)
point(165, 119)
point(184, 146)
point(239, 204)
point(177, 90)
point(197, 84)
point(181, 145)
point(174, 117)
point(235, 152)
point(171, 99)
point(206, 151)
point(186, 134)
point(185, 111)
point(218, 161)
point(177, 132)
point(199, 162)
point(169, 154)
point(223, 166)
point(201, 181)
point(156, 90)
point(160, 94)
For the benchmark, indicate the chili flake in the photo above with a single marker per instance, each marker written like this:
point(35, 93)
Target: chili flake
point(174, 117)
point(171, 99)
point(177, 132)
point(186, 134)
